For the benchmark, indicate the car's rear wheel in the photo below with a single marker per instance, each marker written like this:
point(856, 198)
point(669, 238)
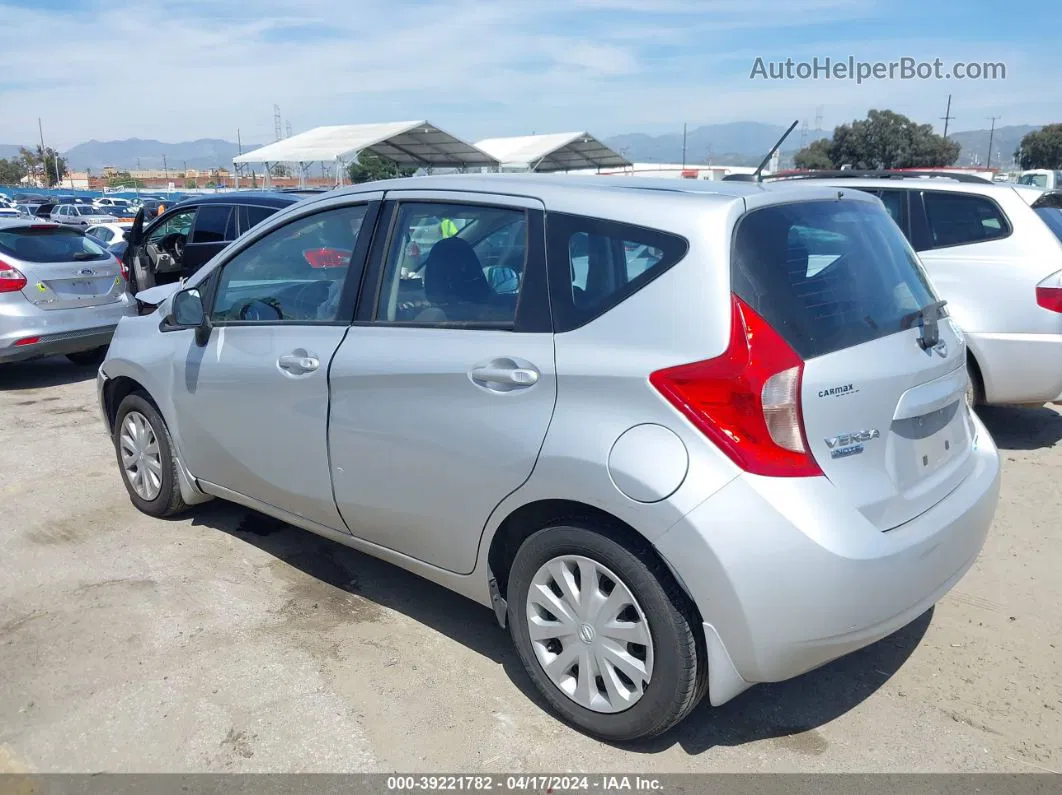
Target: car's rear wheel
point(92, 358)
point(605, 634)
point(146, 459)
point(975, 394)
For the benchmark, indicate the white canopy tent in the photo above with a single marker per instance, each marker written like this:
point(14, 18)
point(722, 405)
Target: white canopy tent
point(554, 152)
point(418, 144)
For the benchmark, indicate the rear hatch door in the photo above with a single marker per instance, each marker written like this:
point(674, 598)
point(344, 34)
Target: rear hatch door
point(884, 378)
point(64, 268)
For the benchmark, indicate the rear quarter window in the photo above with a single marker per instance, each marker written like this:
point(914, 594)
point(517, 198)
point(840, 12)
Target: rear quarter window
point(957, 219)
point(595, 264)
point(827, 275)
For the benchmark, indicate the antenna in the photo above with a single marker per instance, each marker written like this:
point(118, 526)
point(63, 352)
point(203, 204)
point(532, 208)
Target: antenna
point(947, 117)
point(276, 121)
point(757, 175)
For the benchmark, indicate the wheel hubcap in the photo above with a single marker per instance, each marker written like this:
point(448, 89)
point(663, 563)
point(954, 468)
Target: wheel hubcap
point(589, 634)
point(141, 460)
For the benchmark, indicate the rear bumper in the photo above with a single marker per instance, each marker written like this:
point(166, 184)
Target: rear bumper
point(1019, 368)
point(61, 331)
point(788, 576)
point(59, 345)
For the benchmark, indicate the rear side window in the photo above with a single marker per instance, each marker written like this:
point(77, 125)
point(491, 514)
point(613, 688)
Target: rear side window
point(210, 223)
point(252, 216)
point(827, 275)
point(1052, 216)
point(596, 264)
point(957, 219)
point(50, 244)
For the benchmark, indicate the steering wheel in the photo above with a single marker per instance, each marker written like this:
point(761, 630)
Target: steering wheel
point(178, 247)
point(258, 309)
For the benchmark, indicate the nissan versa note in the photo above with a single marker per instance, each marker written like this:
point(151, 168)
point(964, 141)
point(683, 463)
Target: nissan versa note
point(675, 451)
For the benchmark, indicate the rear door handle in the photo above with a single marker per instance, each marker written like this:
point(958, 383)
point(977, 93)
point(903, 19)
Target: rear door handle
point(298, 363)
point(514, 377)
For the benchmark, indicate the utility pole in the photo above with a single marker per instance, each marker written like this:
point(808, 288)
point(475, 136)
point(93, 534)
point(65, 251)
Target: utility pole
point(947, 117)
point(44, 160)
point(165, 170)
point(991, 135)
point(683, 146)
point(276, 121)
point(818, 118)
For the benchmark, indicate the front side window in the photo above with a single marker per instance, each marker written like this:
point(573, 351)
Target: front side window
point(606, 261)
point(451, 263)
point(827, 275)
point(177, 224)
point(296, 273)
point(957, 219)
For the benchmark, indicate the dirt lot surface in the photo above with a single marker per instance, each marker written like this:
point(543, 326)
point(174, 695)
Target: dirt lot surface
point(218, 642)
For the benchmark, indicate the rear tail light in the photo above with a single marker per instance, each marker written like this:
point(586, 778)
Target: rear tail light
point(11, 281)
point(27, 341)
point(122, 267)
point(747, 400)
point(1049, 292)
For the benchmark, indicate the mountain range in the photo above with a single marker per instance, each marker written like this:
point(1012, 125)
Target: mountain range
point(735, 143)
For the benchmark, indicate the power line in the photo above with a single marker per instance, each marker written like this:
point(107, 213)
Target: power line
point(947, 115)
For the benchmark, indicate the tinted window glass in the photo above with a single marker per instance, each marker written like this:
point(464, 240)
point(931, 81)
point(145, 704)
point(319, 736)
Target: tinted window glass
point(957, 219)
point(210, 223)
point(50, 244)
point(827, 275)
point(606, 261)
point(101, 233)
point(179, 223)
point(1052, 216)
point(454, 264)
point(252, 216)
point(295, 273)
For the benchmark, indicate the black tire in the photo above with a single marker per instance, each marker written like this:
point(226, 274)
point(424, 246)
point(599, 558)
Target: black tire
point(92, 358)
point(975, 389)
point(168, 501)
point(680, 674)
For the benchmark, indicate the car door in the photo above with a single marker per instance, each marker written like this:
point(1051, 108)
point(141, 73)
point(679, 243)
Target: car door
point(252, 404)
point(444, 388)
point(207, 236)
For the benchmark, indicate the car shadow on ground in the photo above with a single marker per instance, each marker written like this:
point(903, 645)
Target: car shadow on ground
point(1022, 427)
point(43, 373)
point(789, 711)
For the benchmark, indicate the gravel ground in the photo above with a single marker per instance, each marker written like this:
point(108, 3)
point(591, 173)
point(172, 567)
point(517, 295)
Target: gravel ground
point(219, 642)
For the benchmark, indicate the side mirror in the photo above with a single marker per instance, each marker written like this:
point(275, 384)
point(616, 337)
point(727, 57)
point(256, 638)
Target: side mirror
point(186, 311)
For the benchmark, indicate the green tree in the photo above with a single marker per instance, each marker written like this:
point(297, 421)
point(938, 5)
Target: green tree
point(815, 155)
point(123, 179)
point(189, 183)
point(370, 167)
point(47, 165)
point(1041, 148)
point(882, 140)
point(12, 172)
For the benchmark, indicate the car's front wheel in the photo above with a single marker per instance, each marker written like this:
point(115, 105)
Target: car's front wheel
point(605, 634)
point(146, 459)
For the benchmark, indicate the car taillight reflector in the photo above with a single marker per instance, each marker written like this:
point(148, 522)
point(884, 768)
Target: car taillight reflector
point(1049, 292)
point(747, 400)
point(27, 341)
point(11, 280)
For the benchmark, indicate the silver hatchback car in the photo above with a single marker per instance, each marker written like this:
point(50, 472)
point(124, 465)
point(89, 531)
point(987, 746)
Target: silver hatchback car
point(60, 293)
point(677, 453)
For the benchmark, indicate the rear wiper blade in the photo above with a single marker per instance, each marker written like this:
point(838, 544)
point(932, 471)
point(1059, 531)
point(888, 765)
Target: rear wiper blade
point(927, 317)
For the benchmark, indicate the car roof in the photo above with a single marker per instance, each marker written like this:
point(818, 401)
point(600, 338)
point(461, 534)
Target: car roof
point(563, 188)
point(912, 183)
point(239, 197)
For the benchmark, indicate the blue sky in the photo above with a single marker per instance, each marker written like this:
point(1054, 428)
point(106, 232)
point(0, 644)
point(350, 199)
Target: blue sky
point(182, 69)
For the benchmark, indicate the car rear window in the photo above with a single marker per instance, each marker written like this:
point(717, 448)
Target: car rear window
point(50, 244)
point(827, 275)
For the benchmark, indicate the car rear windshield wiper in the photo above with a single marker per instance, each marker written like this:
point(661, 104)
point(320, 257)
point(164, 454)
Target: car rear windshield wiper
point(927, 317)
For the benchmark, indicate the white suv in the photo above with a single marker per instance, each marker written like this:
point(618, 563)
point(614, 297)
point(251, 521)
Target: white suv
point(993, 251)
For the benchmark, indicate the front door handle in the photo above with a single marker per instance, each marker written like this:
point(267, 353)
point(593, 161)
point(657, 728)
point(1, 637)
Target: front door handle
point(298, 362)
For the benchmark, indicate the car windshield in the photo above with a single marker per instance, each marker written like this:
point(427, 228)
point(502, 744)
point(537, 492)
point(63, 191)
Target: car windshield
point(88, 209)
point(50, 244)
